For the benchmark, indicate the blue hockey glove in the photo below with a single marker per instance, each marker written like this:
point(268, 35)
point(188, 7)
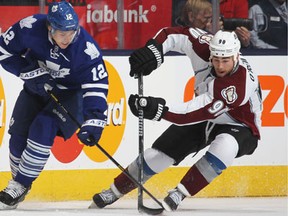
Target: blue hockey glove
point(153, 108)
point(36, 79)
point(90, 131)
point(146, 59)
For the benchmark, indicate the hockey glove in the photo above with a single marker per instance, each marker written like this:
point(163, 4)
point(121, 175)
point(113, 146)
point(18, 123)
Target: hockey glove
point(91, 130)
point(36, 79)
point(146, 59)
point(153, 108)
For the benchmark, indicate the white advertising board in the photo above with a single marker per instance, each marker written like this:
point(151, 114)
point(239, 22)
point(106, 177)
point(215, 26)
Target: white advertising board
point(169, 81)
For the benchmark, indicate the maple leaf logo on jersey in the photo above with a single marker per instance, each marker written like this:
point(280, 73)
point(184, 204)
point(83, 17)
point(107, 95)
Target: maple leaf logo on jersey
point(27, 22)
point(229, 94)
point(54, 69)
point(91, 50)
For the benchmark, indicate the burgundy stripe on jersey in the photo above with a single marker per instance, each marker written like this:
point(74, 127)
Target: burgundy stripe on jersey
point(192, 117)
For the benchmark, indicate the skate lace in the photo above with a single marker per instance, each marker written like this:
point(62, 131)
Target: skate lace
point(176, 196)
point(108, 196)
point(14, 189)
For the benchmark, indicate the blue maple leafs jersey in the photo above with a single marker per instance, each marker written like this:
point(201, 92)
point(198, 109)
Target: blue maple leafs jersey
point(79, 66)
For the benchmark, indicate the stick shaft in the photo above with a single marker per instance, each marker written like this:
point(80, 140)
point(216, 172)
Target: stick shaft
point(141, 142)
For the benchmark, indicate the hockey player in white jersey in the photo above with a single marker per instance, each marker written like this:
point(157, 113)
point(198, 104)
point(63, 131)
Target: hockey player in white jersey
point(226, 114)
point(54, 51)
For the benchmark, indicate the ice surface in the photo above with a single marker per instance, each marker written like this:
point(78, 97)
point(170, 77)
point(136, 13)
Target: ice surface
point(272, 206)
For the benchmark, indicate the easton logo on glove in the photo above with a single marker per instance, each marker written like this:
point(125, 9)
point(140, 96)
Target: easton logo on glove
point(90, 131)
point(94, 122)
point(33, 74)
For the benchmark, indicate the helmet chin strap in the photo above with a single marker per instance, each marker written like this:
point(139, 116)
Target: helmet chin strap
point(75, 35)
point(52, 31)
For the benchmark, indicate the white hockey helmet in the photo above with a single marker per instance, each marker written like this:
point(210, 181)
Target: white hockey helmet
point(225, 44)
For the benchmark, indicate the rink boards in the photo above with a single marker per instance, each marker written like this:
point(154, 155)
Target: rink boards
point(236, 181)
point(76, 172)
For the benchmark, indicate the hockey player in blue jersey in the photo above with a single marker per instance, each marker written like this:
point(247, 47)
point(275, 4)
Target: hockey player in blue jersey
point(53, 51)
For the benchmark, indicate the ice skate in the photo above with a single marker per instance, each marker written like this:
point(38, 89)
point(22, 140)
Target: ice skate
point(172, 201)
point(106, 197)
point(12, 195)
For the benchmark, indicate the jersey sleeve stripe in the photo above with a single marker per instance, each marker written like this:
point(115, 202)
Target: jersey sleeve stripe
point(93, 94)
point(94, 85)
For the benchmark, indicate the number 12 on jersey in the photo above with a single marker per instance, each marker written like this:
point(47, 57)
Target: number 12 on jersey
point(99, 72)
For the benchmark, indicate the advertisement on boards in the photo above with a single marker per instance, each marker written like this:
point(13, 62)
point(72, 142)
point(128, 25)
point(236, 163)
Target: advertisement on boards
point(121, 134)
point(141, 19)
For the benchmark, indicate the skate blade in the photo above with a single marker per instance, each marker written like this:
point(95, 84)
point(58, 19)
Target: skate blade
point(93, 206)
point(3, 206)
point(166, 207)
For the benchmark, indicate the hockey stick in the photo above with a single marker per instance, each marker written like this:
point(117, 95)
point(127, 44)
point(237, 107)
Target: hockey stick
point(142, 207)
point(141, 142)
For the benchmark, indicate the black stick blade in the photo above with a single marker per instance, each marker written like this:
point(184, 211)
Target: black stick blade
point(150, 211)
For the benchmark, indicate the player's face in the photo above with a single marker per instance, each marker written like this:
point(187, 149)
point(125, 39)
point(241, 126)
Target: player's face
point(63, 38)
point(223, 65)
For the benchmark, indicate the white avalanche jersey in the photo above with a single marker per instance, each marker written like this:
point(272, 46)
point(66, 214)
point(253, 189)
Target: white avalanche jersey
point(189, 41)
point(234, 99)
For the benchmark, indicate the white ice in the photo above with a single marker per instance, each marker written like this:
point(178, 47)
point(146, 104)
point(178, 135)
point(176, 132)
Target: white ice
point(270, 206)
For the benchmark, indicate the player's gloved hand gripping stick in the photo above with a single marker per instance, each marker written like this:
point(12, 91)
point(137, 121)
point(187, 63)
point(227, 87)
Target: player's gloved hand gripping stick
point(35, 78)
point(141, 208)
point(146, 59)
point(91, 130)
point(153, 107)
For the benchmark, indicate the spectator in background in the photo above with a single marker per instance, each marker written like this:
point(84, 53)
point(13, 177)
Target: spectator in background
point(237, 9)
point(197, 14)
point(275, 35)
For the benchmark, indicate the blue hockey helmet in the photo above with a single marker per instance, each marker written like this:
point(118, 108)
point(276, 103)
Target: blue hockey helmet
point(61, 16)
